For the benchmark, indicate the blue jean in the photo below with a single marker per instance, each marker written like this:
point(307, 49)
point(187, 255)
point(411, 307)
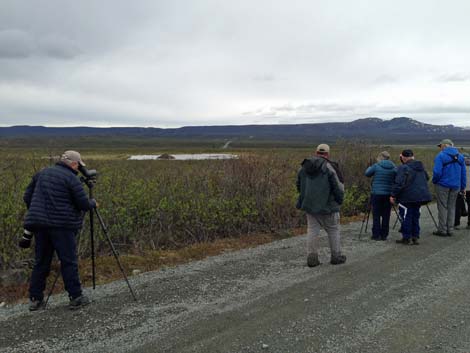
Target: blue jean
point(63, 242)
point(410, 221)
point(381, 209)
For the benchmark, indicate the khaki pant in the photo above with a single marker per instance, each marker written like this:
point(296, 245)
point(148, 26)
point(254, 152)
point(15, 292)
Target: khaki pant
point(330, 223)
point(446, 199)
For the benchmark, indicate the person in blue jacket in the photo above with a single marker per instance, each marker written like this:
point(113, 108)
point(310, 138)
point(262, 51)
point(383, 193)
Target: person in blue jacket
point(383, 173)
point(410, 191)
point(55, 199)
point(449, 178)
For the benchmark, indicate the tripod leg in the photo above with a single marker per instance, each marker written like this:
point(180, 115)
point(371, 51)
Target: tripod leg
point(92, 244)
point(367, 220)
point(113, 249)
point(433, 219)
point(52, 288)
point(362, 225)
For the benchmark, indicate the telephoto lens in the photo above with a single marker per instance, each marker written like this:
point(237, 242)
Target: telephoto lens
point(25, 241)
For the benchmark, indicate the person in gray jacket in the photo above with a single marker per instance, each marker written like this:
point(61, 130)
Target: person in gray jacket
point(383, 173)
point(321, 194)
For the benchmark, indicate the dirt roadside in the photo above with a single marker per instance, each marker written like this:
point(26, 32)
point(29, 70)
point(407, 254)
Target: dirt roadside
point(387, 298)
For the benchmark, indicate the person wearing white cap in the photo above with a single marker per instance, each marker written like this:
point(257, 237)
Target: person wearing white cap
point(55, 199)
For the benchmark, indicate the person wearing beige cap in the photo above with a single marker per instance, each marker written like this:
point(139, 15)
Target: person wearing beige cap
point(449, 177)
point(55, 199)
point(321, 192)
point(383, 173)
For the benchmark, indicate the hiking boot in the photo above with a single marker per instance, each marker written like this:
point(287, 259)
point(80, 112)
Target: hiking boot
point(439, 233)
point(312, 260)
point(415, 241)
point(78, 302)
point(35, 304)
point(338, 259)
point(404, 241)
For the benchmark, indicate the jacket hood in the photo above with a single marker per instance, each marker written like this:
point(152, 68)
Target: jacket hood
point(416, 165)
point(386, 164)
point(451, 151)
point(314, 165)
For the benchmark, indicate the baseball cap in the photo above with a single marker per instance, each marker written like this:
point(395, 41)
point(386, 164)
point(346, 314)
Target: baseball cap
point(407, 153)
point(323, 148)
point(445, 142)
point(72, 156)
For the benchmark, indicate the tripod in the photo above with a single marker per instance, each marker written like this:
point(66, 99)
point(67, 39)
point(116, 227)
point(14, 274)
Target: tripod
point(366, 217)
point(90, 182)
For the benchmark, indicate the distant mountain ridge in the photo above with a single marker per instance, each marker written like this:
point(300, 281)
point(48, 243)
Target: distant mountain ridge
point(396, 129)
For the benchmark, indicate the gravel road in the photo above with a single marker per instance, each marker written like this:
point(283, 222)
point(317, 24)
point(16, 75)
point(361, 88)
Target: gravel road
point(387, 298)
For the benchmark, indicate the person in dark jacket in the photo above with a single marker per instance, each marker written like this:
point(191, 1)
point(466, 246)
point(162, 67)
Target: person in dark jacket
point(383, 173)
point(321, 194)
point(449, 178)
point(410, 191)
point(55, 199)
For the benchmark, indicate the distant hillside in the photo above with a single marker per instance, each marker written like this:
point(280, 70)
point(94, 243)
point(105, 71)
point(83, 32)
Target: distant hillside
point(400, 129)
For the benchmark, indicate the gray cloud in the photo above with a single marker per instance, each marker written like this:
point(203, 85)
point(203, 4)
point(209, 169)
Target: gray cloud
point(171, 63)
point(18, 44)
point(454, 77)
point(15, 43)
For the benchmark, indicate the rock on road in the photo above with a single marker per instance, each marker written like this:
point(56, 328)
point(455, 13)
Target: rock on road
point(387, 298)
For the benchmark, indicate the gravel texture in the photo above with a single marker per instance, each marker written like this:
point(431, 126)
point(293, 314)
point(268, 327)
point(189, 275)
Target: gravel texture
point(387, 298)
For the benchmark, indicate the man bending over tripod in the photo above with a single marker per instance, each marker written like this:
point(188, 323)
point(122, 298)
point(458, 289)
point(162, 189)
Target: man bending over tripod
point(55, 199)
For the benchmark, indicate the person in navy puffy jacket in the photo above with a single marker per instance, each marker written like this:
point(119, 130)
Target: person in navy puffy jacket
point(449, 178)
point(410, 191)
point(383, 173)
point(55, 199)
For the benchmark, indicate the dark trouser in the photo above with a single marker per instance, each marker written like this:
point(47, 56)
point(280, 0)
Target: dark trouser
point(64, 243)
point(458, 208)
point(410, 220)
point(381, 209)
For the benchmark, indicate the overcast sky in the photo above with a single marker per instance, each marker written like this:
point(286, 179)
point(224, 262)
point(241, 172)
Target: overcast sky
point(204, 62)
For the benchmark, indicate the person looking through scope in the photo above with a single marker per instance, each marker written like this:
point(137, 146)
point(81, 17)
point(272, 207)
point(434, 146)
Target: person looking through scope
point(55, 199)
point(383, 173)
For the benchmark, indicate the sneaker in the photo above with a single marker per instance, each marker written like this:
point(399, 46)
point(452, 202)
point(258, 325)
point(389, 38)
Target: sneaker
point(415, 241)
point(404, 241)
point(457, 227)
point(338, 260)
point(449, 234)
point(312, 260)
point(439, 233)
point(35, 305)
point(78, 302)
point(374, 238)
